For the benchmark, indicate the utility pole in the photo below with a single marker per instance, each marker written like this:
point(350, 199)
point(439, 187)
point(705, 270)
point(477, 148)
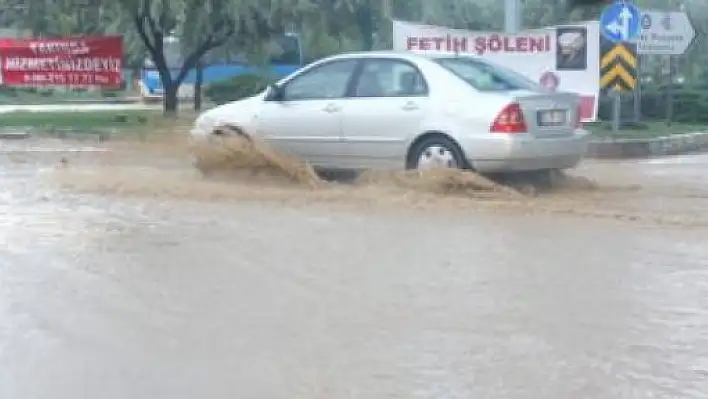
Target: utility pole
point(388, 9)
point(637, 94)
point(512, 16)
point(672, 76)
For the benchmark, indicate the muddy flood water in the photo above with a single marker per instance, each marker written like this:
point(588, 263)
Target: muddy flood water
point(125, 273)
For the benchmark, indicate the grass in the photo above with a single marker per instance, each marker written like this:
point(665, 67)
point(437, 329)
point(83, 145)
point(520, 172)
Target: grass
point(49, 97)
point(124, 123)
point(645, 130)
point(79, 119)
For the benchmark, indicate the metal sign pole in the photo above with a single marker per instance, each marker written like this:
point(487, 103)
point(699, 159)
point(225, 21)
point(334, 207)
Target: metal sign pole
point(620, 24)
point(638, 92)
point(616, 110)
point(670, 92)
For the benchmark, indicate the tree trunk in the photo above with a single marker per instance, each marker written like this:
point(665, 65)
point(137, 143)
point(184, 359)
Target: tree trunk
point(169, 87)
point(170, 100)
point(198, 87)
point(365, 23)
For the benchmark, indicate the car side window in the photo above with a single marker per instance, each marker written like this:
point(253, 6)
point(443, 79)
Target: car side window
point(390, 78)
point(327, 81)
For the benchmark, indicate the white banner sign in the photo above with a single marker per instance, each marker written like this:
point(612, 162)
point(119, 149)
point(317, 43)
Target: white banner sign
point(564, 58)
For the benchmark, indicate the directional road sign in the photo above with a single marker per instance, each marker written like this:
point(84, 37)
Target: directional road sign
point(620, 22)
point(618, 66)
point(665, 32)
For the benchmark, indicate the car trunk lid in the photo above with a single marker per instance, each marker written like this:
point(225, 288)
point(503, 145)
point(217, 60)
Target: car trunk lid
point(548, 114)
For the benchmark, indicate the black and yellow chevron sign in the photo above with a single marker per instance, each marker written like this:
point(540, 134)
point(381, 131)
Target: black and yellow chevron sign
point(618, 66)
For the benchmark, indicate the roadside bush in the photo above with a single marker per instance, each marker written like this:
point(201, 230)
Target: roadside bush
point(8, 91)
point(236, 88)
point(690, 105)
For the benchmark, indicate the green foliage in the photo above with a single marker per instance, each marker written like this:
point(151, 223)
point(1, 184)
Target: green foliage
point(237, 88)
point(79, 120)
point(643, 130)
point(333, 26)
point(690, 105)
point(464, 14)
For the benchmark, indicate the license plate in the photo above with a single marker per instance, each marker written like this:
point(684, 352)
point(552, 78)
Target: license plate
point(554, 117)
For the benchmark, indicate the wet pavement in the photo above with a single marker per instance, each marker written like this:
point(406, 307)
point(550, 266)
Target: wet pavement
point(108, 295)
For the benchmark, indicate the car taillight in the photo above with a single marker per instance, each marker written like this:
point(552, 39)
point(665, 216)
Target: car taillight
point(509, 120)
point(579, 118)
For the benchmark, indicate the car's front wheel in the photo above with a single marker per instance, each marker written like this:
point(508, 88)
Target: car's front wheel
point(209, 153)
point(435, 152)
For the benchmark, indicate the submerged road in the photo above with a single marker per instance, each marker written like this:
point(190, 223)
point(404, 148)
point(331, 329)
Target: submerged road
point(114, 296)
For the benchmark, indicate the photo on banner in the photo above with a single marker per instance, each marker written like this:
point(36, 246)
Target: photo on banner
point(571, 48)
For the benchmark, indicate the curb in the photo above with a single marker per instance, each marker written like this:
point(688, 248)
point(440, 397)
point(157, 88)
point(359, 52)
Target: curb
point(59, 133)
point(608, 148)
point(15, 133)
point(676, 144)
point(19, 135)
point(112, 100)
point(78, 101)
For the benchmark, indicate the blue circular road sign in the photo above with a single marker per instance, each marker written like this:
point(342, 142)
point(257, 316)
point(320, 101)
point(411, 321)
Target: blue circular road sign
point(621, 22)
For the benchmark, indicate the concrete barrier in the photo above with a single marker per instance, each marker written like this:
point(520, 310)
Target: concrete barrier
point(642, 148)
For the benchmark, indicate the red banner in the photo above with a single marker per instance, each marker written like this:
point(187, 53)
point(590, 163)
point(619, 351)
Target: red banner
point(69, 61)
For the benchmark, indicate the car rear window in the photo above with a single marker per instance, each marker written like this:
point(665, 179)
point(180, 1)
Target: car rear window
point(485, 76)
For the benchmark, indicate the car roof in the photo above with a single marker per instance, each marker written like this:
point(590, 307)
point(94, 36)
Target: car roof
point(398, 54)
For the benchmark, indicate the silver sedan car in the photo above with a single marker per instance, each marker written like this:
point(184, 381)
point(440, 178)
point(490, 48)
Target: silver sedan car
point(391, 110)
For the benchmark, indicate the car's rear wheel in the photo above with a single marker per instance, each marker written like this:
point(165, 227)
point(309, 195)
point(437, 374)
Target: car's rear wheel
point(435, 152)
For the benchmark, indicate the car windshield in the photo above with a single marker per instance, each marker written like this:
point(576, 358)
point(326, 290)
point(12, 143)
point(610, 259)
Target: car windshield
point(484, 76)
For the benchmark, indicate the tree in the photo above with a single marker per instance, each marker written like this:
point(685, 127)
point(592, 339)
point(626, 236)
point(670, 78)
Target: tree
point(586, 9)
point(352, 18)
point(205, 24)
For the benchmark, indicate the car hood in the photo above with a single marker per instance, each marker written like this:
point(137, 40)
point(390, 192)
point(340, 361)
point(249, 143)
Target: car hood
point(239, 113)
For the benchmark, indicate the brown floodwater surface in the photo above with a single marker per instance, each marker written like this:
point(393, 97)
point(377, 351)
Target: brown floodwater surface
point(126, 273)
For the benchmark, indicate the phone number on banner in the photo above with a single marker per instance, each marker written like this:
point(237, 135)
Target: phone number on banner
point(79, 79)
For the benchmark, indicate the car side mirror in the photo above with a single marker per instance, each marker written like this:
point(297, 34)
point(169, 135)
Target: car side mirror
point(275, 93)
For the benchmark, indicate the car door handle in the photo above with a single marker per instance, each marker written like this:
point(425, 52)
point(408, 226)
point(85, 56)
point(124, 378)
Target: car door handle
point(410, 106)
point(331, 108)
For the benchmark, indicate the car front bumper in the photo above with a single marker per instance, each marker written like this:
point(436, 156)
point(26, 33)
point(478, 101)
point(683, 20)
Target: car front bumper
point(523, 152)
